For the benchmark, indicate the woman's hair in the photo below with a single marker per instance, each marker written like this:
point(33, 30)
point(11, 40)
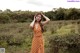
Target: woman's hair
point(40, 21)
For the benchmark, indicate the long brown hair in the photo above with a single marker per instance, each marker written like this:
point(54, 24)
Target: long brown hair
point(40, 21)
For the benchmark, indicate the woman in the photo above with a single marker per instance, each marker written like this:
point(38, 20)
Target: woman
point(37, 26)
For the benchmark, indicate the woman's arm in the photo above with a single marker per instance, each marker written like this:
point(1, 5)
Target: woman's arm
point(47, 19)
point(32, 23)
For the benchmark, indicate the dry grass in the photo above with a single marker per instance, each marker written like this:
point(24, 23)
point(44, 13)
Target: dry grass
point(21, 34)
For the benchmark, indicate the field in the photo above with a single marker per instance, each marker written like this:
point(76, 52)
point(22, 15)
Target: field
point(17, 37)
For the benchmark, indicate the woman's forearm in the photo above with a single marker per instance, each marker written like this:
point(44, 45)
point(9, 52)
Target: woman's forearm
point(47, 19)
point(32, 23)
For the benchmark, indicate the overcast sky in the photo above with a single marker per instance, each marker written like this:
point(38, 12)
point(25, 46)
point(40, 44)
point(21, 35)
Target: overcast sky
point(36, 5)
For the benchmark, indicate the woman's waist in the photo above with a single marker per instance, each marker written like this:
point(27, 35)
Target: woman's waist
point(38, 35)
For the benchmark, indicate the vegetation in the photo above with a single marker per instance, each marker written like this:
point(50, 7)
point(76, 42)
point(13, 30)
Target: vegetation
point(63, 35)
point(8, 16)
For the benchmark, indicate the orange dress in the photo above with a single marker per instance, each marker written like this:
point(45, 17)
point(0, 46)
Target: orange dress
point(37, 42)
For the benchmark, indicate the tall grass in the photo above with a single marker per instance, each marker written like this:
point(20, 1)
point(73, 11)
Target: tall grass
point(17, 37)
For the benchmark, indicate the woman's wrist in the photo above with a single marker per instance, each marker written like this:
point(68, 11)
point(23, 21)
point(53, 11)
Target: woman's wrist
point(34, 20)
point(46, 17)
point(43, 15)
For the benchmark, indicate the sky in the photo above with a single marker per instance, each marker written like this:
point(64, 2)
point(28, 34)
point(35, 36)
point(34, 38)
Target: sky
point(37, 5)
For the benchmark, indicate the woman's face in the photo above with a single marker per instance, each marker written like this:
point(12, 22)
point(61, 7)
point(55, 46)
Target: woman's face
point(38, 18)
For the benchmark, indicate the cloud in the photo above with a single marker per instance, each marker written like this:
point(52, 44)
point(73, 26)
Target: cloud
point(36, 5)
point(40, 3)
point(34, 2)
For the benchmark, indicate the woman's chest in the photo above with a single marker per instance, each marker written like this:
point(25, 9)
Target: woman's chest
point(37, 27)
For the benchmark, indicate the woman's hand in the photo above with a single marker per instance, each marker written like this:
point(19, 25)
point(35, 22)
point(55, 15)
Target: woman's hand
point(47, 19)
point(32, 23)
point(41, 13)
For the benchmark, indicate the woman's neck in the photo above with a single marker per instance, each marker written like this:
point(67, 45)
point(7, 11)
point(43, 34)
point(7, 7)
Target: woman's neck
point(37, 22)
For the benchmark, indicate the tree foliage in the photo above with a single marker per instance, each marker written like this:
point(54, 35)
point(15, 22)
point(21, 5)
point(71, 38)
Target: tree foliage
point(8, 16)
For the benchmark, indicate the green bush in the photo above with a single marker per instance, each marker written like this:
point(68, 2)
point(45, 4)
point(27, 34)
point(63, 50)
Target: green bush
point(69, 43)
point(67, 29)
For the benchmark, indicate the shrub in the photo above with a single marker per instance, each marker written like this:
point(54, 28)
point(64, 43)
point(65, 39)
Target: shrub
point(70, 43)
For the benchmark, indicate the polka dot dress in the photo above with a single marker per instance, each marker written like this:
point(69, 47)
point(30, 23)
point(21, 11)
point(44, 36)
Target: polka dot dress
point(37, 41)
